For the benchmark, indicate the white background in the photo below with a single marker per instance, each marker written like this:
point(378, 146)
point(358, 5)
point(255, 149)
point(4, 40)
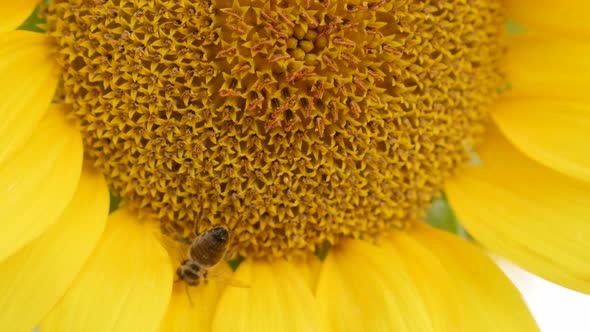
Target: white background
point(555, 308)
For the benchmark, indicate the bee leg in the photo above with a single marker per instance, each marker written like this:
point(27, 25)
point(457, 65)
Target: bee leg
point(188, 294)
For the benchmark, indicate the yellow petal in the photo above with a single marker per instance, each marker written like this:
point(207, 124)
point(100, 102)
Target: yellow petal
point(550, 17)
point(35, 278)
point(488, 301)
point(191, 314)
point(278, 299)
point(310, 266)
point(38, 182)
point(29, 77)
point(15, 12)
point(359, 289)
point(553, 68)
point(553, 132)
point(534, 216)
point(124, 286)
point(436, 288)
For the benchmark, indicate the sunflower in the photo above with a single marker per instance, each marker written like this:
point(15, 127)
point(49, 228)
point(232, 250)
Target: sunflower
point(317, 133)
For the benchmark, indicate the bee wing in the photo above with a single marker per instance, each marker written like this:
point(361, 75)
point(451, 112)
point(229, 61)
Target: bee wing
point(177, 250)
point(222, 273)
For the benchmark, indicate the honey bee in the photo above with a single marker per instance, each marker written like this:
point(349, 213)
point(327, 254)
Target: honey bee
point(205, 252)
point(203, 258)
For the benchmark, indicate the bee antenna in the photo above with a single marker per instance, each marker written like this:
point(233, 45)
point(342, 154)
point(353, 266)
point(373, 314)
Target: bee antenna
point(196, 229)
point(198, 223)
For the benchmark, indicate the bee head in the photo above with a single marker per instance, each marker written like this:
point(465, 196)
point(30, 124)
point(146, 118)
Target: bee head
point(220, 234)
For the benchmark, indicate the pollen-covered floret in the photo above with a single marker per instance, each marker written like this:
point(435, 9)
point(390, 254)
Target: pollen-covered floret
point(293, 122)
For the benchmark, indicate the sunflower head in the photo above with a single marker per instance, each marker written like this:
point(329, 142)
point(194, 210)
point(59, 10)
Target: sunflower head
point(276, 129)
point(294, 124)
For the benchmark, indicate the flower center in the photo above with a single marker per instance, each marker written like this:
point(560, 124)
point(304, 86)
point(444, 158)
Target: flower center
point(291, 122)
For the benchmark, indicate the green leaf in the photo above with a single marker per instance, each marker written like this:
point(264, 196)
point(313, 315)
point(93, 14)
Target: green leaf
point(322, 250)
point(441, 216)
point(512, 27)
point(34, 21)
point(505, 88)
point(115, 201)
point(235, 263)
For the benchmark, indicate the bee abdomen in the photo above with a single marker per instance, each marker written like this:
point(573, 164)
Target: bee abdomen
point(209, 248)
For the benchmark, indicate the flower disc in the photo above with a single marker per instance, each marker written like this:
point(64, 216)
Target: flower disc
point(293, 122)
